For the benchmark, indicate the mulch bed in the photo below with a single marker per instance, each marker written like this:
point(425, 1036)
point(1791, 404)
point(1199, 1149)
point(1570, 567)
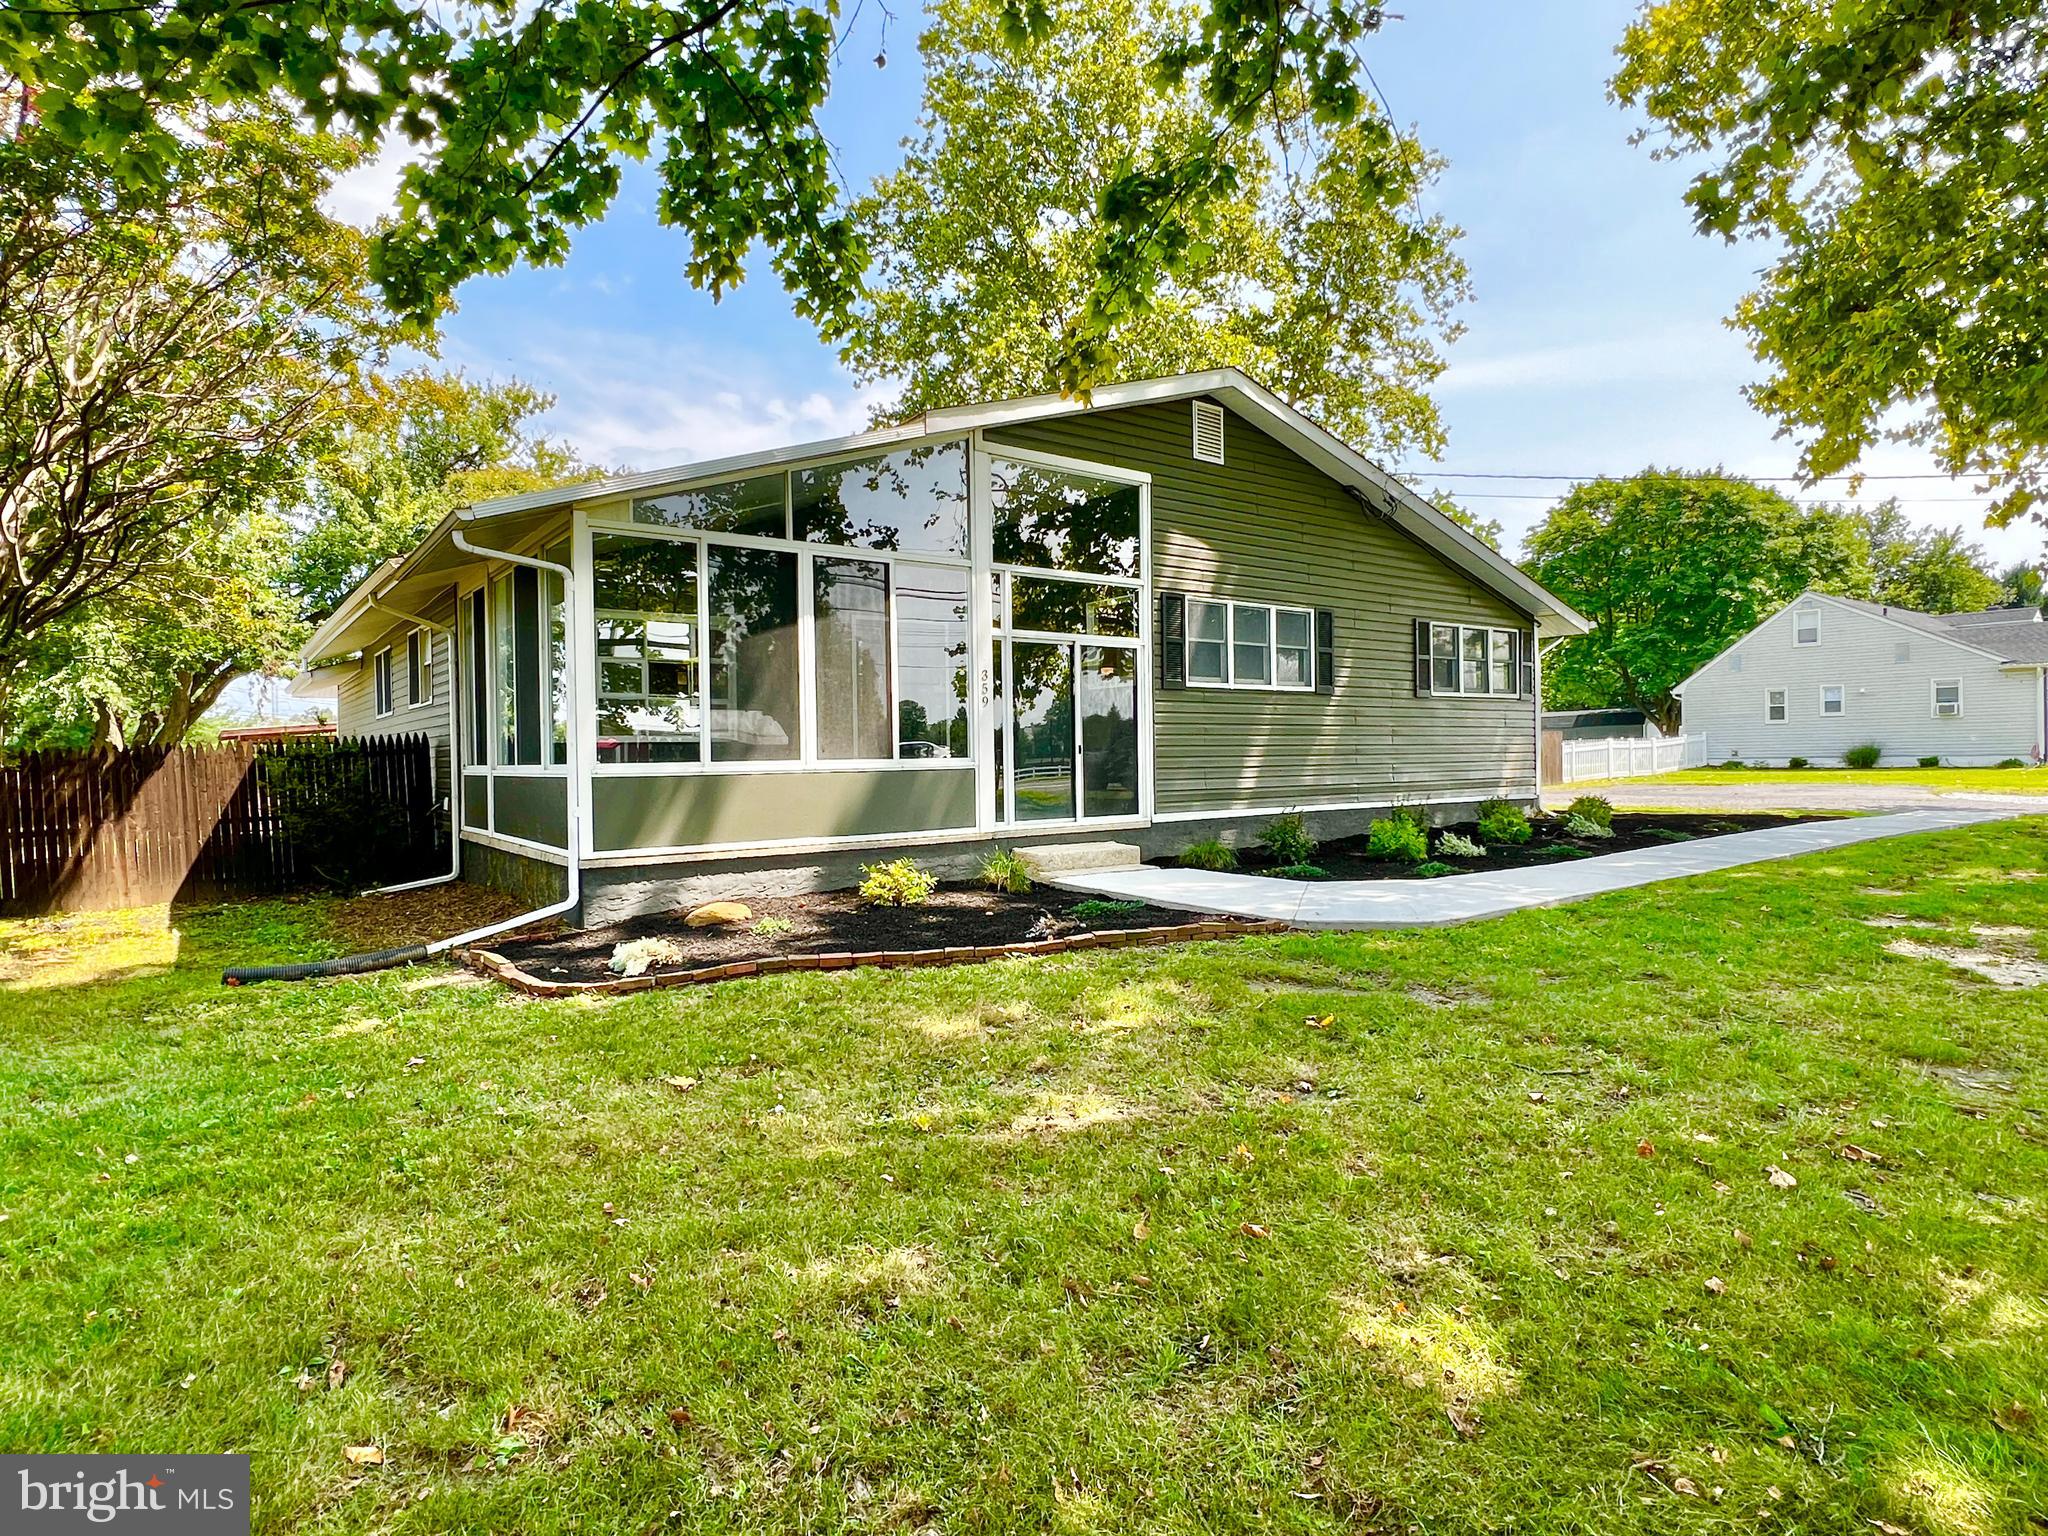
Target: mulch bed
point(1347, 859)
point(832, 929)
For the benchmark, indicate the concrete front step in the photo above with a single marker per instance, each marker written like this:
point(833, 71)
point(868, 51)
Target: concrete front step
point(1051, 860)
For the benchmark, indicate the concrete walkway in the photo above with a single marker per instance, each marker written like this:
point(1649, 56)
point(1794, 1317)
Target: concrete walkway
point(1820, 795)
point(1462, 898)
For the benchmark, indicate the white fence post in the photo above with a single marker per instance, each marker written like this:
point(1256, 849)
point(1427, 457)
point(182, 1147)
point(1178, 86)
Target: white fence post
point(1581, 760)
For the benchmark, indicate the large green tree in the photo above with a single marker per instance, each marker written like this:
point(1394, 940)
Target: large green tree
point(412, 447)
point(1671, 568)
point(168, 354)
point(1316, 272)
point(522, 116)
point(1890, 154)
point(1936, 570)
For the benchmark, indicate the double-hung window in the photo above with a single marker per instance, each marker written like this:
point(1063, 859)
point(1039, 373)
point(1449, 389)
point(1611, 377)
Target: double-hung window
point(1806, 626)
point(1464, 659)
point(1833, 698)
point(1948, 700)
point(1250, 645)
point(419, 668)
point(1774, 705)
point(380, 681)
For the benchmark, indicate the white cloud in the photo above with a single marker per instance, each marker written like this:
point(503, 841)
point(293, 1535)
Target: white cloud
point(1697, 351)
point(370, 191)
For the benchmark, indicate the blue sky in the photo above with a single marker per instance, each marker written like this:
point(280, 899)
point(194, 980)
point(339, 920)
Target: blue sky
point(1594, 342)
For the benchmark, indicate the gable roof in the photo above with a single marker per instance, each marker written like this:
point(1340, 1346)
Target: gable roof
point(1377, 491)
point(2018, 614)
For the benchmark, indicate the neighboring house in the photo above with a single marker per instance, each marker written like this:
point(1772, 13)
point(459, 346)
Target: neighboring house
point(1824, 674)
point(1176, 611)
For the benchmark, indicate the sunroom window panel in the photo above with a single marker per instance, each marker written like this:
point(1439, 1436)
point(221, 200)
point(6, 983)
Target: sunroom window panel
point(752, 507)
point(649, 662)
point(1251, 631)
point(1073, 607)
point(1061, 520)
point(931, 658)
point(753, 653)
point(1208, 642)
point(850, 612)
point(913, 501)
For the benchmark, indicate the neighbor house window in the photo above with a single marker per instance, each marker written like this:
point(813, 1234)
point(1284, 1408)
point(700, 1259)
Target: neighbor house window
point(1948, 700)
point(1806, 626)
point(419, 668)
point(1832, 698)
point(1774, 705)
point(380, 681)
point(1462, 659)
point(1250, 645)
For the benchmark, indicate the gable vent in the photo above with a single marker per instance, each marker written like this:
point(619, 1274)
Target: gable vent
point(1208, 432)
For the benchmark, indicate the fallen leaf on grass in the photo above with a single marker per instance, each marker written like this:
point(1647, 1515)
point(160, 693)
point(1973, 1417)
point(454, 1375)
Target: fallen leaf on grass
point(1888, 1529)
point(1717, 1285)
point(681, 1418)
point(1253, 1229)
point(1465, 1424)
point(1856, 1154)
point(1779, 1178)
point(681, 1084)
point(1646, 1148)
point(1323, 1022)
point(363, 1455)
point(1141, 1229)
point(337, 1373)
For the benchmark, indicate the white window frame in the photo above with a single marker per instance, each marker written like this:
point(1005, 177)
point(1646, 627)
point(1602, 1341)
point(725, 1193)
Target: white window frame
point(1841, 692)
point(1934, 687)
point(1492, 633)
point(1783, 706)
point(382, 700)
point(419, 664)
point(1800, 616)
point(1230, 680)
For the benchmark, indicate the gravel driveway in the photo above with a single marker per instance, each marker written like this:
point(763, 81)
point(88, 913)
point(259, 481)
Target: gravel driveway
point(1649, 794)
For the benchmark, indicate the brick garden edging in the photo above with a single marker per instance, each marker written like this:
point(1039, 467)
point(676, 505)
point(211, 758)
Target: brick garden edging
point(489, 963)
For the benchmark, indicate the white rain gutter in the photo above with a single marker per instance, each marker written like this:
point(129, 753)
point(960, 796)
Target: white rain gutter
point(454, 754)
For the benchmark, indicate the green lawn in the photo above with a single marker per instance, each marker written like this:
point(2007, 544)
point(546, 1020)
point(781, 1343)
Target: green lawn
point(1461, 1231)
point(1999, 781)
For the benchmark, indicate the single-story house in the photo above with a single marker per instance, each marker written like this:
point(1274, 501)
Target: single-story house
point(1174, 611)
point(1824, 674)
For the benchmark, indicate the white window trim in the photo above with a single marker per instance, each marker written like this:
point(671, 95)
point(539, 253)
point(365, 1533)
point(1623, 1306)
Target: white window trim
point(383, 689)
point(1461, 691)
point(1834, 714)
point(1934, 687)
point(1799, 614)
point(425, 640)
point(1229, 681)
point(1784, 696)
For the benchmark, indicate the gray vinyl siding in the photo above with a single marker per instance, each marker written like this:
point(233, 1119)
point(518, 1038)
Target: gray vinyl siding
point(1266, 526)
point(1887, 671)
point(355, 695)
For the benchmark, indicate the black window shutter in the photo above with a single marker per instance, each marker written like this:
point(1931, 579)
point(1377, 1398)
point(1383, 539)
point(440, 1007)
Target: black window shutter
point(1173, 640)
point(1525, 655)
point(1326, 651)
point(1422, 683)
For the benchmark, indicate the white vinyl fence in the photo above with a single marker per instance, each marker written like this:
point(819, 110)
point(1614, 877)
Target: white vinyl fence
point(1629, 757)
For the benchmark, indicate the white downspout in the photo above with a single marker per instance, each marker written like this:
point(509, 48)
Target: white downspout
point(1537, 703)
point(454, 757)
point(572, 799)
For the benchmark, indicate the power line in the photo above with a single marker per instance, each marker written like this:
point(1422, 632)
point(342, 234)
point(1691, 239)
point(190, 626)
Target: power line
point(1810, 501)
point(1490, 474)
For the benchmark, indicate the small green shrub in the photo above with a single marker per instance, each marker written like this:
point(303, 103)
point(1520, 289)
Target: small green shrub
point(898, 883)
point(769, 927)
point(2011, 762)
point(1089, 910)
point(1432, 869)
point(1594, 808)
point(1392, 838)
point(1734, 765)
point(1287, 839)
point(1503, 821)
point(1863, 755)
point(1582, 830)
point(1670, 835)
point(1002, 869)
point(1299, 872)
point(1208, 854)
point(1797, 762)
point(1456, 845)
point(1930, 762)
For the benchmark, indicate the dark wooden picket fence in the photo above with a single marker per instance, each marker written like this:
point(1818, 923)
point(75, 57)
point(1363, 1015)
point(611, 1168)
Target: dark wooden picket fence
point(93, 831)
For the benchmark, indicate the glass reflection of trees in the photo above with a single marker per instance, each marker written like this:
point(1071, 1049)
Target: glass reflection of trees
point(1058, 520)
point(913, 501)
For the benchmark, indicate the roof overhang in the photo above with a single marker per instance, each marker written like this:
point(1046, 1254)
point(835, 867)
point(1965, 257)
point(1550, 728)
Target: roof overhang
point(425, 569)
